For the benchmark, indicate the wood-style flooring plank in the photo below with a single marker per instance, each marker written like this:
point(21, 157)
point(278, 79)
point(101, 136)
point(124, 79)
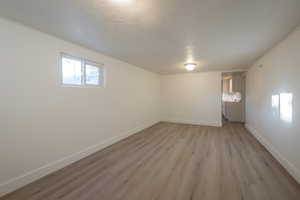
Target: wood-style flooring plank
point(170, 161)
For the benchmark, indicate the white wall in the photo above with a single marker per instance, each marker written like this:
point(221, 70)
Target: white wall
point(280, 74)
point(192, 98)
point(44, 126)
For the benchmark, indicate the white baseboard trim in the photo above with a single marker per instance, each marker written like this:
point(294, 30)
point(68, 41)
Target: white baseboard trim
point(293, 171)
point(20, 181)
point(194, 122)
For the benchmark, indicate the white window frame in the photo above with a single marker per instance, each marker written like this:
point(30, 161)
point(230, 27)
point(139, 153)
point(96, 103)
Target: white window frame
point(84, 62)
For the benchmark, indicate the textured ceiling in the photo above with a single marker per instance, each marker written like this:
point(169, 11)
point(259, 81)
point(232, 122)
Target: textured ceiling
point(161, 35)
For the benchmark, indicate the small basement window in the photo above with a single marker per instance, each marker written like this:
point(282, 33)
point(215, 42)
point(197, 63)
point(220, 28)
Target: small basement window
point(77, 72)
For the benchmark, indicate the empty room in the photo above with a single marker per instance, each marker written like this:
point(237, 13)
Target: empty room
point(150, 100)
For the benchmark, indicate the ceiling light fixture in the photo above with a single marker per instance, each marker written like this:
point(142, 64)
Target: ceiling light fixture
point(122, 1)
point(190, 66)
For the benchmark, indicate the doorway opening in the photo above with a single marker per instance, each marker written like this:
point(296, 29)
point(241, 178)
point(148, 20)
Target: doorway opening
point(233, 97)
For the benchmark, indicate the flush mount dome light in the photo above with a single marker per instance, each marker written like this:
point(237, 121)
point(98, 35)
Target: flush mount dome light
point(190, 66)
point(122, 1)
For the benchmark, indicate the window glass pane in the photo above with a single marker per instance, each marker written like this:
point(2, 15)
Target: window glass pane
point(71, 71)
point(92, 75)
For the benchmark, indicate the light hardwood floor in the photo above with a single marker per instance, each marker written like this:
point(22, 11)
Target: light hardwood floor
point(172, 162)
